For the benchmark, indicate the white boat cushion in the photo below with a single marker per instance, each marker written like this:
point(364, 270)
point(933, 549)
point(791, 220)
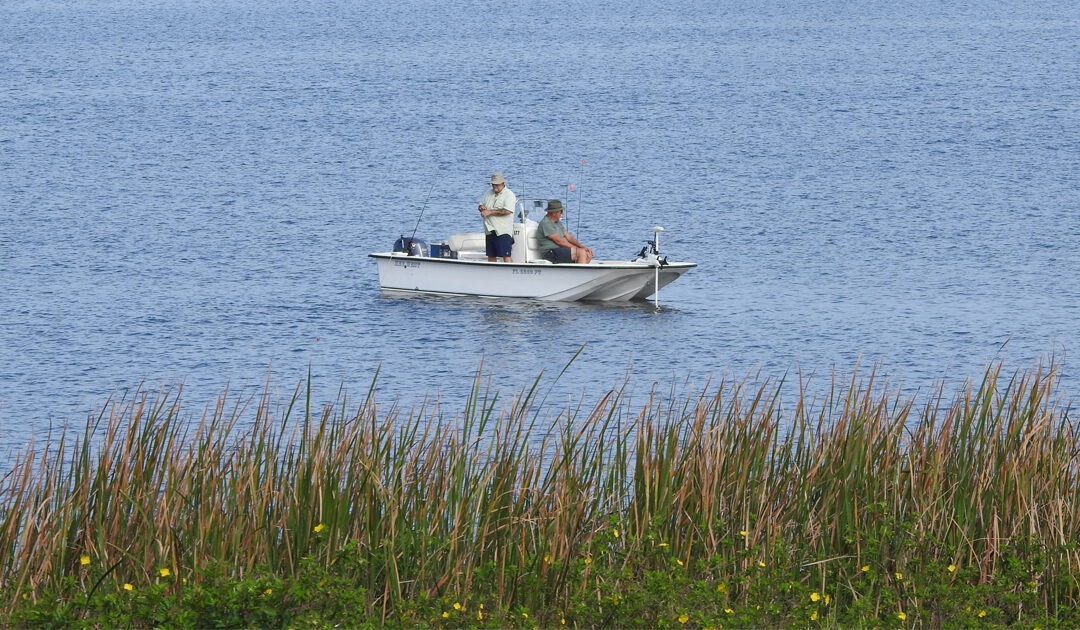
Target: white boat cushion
point(530, 236)
point(467, 241)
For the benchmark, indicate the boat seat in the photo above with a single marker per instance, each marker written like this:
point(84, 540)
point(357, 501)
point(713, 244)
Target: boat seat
point(530, 242)
point(467, 241)
point(530, 239)
point(475, 242)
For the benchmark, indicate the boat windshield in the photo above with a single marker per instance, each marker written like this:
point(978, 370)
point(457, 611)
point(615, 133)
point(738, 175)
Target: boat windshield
point(525, 207)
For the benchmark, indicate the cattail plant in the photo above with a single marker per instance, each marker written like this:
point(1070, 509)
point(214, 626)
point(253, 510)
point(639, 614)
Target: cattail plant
point(504, 500)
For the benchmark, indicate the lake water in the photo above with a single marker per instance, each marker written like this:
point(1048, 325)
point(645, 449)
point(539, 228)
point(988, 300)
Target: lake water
point(189, 191)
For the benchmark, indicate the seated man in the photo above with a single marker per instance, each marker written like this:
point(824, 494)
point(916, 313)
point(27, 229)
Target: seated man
point(556, 244)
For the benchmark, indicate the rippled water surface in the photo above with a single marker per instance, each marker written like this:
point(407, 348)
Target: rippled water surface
point(189, 191)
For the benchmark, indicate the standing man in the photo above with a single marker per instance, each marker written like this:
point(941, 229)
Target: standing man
point(497, 208)
point(556, 244)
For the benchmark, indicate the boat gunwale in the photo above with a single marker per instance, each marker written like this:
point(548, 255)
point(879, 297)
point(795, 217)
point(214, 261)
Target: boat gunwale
point(607, 264)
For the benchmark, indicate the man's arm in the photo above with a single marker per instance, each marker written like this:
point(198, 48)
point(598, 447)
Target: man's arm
point(560, 241)
point(576, 243)
point(573, 241)
point(497, 212)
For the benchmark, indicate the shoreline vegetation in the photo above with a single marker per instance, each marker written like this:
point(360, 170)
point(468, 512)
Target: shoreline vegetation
point(861, 508)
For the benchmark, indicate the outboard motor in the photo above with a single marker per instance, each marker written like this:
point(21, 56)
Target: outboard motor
point(412, 246)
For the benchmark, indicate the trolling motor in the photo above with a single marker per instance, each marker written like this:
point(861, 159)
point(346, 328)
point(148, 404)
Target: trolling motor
point(651, 255)
point(651, 250)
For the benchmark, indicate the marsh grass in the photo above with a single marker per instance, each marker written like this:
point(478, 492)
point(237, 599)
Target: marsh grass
point(740, 509)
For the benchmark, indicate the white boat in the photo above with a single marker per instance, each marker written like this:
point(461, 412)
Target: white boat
point(459, 266)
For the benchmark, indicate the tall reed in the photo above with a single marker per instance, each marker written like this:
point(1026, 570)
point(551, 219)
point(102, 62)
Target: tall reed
point(505, 500)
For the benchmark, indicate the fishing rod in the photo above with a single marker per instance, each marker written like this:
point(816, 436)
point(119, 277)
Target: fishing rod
point(426, 199)
point(581, 174)
point(409, 244)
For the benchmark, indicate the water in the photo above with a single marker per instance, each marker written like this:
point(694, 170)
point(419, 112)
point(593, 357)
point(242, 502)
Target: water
point(189, 190)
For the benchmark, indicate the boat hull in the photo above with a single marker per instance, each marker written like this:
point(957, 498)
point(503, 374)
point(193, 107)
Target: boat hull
point(605, 281)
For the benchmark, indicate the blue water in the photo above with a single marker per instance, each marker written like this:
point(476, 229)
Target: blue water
point(189, 191)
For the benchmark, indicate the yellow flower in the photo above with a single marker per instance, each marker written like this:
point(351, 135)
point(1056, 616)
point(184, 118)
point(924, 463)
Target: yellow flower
point(457, 605)
point(952, 567)
point(319, 528)
point(563, 621)
point(865, 568)
point(827, 598)
point(729, 611)
point(899, 575)
point(683, 618)
point(525, 615)
point(85, 560)
point(128, 587)
point(721, 587)
point(814, 597)
point(760, 563)
point(547, 559)
point(588, 560)
point(742, 533)
point(679, 561)
point(446, 614)
point(163, 572)
point(982, 613)
point(268, 591)
point(480, 615)
point(901, 616)
point(662, 545)
point(813, 616)
point(616, 532)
